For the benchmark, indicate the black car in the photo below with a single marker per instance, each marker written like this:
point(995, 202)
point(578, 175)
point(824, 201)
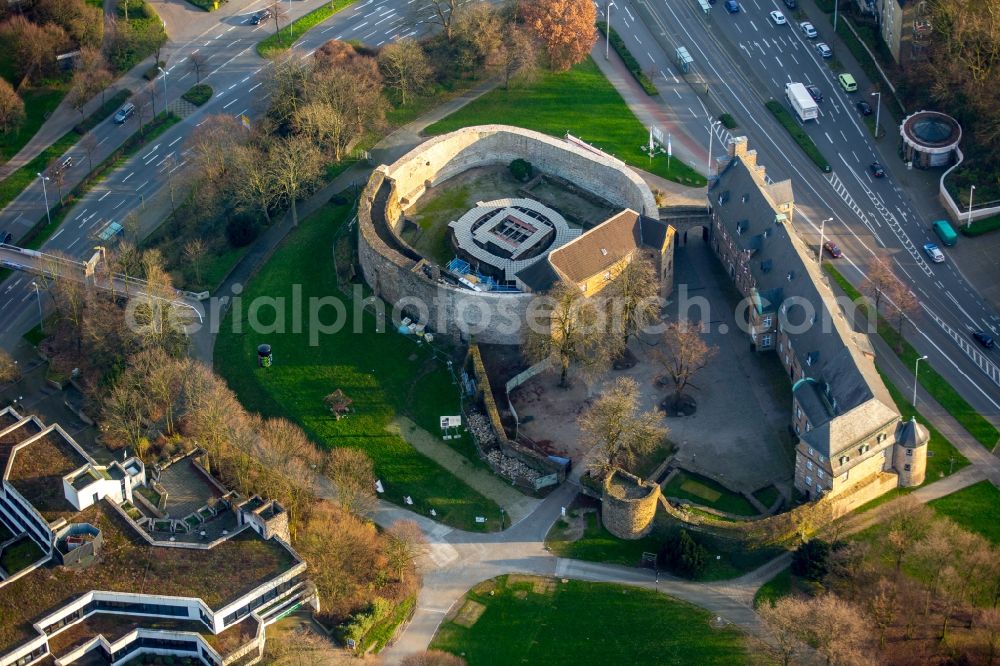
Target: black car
point(877, 170)
point(983, 338)
point(792, 4)
point(864, 108)
point(815, 92)
point(6, 237)
point(261, 16)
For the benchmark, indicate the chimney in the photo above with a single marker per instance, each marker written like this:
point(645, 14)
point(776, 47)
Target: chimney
point(738, 146)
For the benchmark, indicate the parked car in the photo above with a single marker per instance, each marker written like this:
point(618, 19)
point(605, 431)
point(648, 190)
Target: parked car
point(778, 18)
point(832, 249)
point(732, 7)
point(124, 113)
point(847, 82)
point(792, 4)
point(261, 16)
point(984, 338)
point(864, 108)
point(824, 50)
point(817, 95)
point(808, 30)
point(63, 166)
point(877, 170)
point(934, 252)
point(6, 237)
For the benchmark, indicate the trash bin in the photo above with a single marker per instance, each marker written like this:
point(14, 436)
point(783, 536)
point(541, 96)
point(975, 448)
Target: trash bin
point(264, 357)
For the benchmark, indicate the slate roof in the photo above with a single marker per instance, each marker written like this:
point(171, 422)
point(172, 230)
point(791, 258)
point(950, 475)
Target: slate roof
point(539, 276)
point(842, 379)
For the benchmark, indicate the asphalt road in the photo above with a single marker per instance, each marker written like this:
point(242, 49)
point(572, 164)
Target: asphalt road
point(236, 73)
point(745, 60)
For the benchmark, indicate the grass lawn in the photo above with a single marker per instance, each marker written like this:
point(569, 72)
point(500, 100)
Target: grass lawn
point(982, 430)
point(767, 496)
point(551, 104)
point(974, 508)
point(774, 589)
point(285, 37)
point(38, 104)
point(704, 491)
point(384, 374)
point(19, 555)
point(528, 620)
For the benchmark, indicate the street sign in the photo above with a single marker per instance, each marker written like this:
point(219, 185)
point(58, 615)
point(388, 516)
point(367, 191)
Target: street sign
point(450, 422)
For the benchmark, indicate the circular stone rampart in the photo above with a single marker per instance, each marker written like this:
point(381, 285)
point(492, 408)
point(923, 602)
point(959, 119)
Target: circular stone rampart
point(415, 287)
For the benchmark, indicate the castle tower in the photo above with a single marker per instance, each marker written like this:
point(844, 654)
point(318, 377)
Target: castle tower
point(909, 454)
point(628, 505)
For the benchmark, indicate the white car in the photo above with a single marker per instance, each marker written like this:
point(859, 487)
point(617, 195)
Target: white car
point(934, 252)
point(808, 30)
point(778, 18)
point(824, 50)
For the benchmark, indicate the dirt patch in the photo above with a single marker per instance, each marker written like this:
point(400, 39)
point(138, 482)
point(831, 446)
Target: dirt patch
point(521, 594)
point(484, 587)
point(469, 614)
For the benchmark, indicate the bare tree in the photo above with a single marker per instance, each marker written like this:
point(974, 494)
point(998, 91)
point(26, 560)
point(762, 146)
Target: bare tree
point(198, 62)
point(194, 255)
point(905, 306)
point(617, 431)
point(935, 552)
point(684, 353)
point(988, 621)
point(517, 57)
point(405, 542)
point(444, 13)
point(783, 620)
point(211, 146)
point(433, 658)
point(124, 414)
point(879, 281)
point(295, 166)
point(277, 12)
point(883, 606)
point(353, 477)
point(34, 47)
point(572, 334)
point(907, 526)
point(838, 630)
point(11, 108)
point(405, 68)
point(89, 145)
point(634, 298)
point(9, 370)
point(57, 174)
point(254, 184)
point(479, 32)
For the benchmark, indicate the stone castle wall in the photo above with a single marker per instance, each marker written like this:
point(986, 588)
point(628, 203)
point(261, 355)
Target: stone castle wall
point(393, 269)
point(628, 505)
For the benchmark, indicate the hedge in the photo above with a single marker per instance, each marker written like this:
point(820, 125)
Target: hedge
point(980, 227)
point(727, 121)
point(282, 40)
point(198, 94)
point(804, 140)
point(633, 65)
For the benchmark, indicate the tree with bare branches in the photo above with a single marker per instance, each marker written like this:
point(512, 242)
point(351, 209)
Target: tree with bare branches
point(683, 354)
point(405, 542)
point(198, 62)
point(616, 431)
point(11, 108)
point(565, 27)
point(905, 306)
point(572, 333)
point(353, 477)
point(517, 57)
point(295, 166)
point(879, 281)
point(444, 13)
point(783, 620)
point(633, 297)
point(405, 68)
point(883, 606)
point(10, 371)
point(194, 255)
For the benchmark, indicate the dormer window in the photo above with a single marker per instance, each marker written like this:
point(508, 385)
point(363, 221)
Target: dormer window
point(845, 459)
point(767, 322)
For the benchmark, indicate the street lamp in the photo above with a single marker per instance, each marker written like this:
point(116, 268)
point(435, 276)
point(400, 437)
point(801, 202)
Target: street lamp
point(711, 135)
point(878, 109)
point(45, 194)
point(38, 297)
point(968, 222)
point(819, 251)
point(916, 368)
point(607, 33)
point(162, 71)
point(836, 6)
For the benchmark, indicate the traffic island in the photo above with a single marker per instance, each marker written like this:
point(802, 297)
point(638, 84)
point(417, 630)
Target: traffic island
point(804, 140)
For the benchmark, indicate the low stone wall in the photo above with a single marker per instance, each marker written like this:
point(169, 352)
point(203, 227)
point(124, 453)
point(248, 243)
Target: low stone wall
point(394, 270)
point(864, 493)
point(628, 505)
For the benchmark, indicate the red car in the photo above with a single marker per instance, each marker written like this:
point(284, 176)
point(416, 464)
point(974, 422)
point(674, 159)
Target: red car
point(832, 249)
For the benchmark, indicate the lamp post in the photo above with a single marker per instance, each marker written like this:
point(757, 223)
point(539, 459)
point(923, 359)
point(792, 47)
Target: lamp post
point(968, 222)
point(819, 251)
point(45, 194)
point(38, 297)
point(162, 71)
point(711, 136)
point(878, 109)
point(607, 33)
point(916, 369)
point(836, 6)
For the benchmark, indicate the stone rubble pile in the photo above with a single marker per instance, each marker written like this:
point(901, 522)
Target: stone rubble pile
point(479, 425)
point(512, 468)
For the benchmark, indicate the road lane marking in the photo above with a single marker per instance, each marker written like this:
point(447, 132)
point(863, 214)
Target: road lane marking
point(81, 214)
point(104, 195)
point(144, 183)
point(120, 204)
point(828, 137)
point(151, 152)
point(56, 234)
point(128, 176)
point(230, 103)
point(174, 141)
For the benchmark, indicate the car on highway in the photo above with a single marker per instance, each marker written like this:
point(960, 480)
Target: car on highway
point(984, 338)
point(778, 18)
point(62, 166)
point(864, 108)
point(877, 169)
point(847, 82)
point(816, 93)
point(732, 7)
point(824, 50)
point(261, 16)
point(124, 113)
point(792, 4)
point(808, 30)
point(832, 249)
point(934, 252)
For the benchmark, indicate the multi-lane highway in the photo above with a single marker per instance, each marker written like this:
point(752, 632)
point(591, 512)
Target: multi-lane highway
point(745, 59)
point(230, 64)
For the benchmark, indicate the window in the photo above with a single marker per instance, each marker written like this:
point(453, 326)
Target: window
point(765, 341)
point(819, 473)
point(881, 437)
point(906, 467)
point(808, 426)
point(809, 480)
point(781, 347)
point(909, 452)
point(797, 429)
point(809, 465)
point(844, 460)
point(767, 321)
point(822, 458)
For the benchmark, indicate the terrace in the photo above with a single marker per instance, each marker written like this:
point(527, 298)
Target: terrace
point(37, 473)
point(14, 437)
point(129, 564)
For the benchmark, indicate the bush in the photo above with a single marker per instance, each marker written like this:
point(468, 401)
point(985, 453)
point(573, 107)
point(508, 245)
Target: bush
point(198, 94)
point(980, 227)
point(801, 138)
point(521, 170)
point(633, 65)
point(683, 555)
point(809, 560)
point(242, 229)
point(153, 71)
point(360, 623)
point(727, 121)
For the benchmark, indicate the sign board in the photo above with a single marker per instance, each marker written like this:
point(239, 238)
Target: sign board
point(548, 480)
point(378, 486)
point(480, 519)
point(657, 135)
point(450, 422)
